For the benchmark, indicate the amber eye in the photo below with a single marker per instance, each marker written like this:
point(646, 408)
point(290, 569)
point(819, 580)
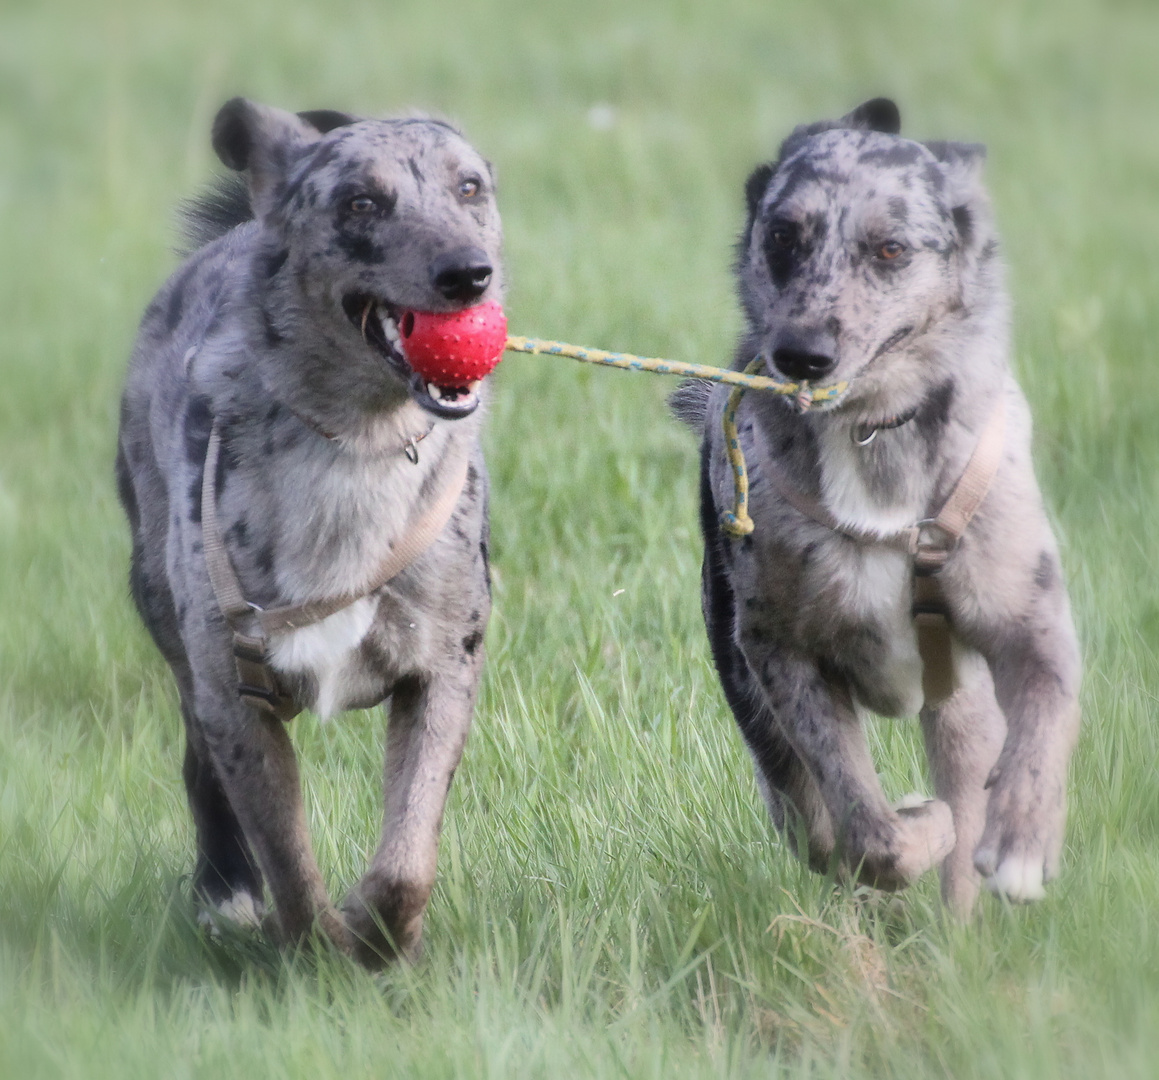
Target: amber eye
point(469, 188)
point(891, 249)
point(363, 204)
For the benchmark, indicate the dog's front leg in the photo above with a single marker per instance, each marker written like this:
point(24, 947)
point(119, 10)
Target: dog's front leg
point(254, 760)
point(888, 848)
point(1036, 681)
point(429, 721)
point(963, 737)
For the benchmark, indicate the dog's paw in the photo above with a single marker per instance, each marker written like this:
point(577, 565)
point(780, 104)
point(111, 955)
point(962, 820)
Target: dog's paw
point(1019, 850)
point(1019, 879)
point(927, 835)
point(240, 911)
point(919, 837)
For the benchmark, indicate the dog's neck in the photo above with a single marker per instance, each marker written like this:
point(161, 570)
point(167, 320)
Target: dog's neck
point(898, 476)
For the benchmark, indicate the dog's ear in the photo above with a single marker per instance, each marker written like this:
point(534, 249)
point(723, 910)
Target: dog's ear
point(962, 165)
point(325, 120)
point(877, 114)
point(962, 168)
point(262, 142)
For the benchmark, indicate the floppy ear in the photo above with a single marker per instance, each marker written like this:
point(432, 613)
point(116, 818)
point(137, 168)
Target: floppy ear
point(961, 165)
point(877, 114)
point(325, 120)
point(262, 142)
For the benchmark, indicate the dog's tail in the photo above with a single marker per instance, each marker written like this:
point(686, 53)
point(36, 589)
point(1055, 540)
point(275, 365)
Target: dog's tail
point(214, 212)
point(689, 402)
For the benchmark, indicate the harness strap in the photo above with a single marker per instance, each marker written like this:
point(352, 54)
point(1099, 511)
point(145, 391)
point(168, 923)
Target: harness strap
point(931, 542)
point(252, 626)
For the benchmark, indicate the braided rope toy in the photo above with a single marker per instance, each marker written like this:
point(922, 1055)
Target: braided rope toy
point(735, 522)
point(456, 348)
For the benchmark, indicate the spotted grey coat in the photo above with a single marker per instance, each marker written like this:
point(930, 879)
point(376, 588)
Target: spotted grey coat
point(283, 330)
point(872, 259)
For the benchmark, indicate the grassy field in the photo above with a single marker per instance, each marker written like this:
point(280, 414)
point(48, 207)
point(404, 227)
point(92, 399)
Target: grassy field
point(611, 899)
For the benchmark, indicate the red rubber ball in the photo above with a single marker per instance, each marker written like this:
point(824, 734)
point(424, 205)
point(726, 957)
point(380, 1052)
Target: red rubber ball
point(454, 348)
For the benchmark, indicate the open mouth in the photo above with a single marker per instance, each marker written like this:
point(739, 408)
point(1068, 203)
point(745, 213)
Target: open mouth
point(382, 325)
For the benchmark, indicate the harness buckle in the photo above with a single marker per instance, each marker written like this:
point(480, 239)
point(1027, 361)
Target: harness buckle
point(932, 545)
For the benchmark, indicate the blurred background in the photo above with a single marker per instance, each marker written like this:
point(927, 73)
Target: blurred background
point(603, 770)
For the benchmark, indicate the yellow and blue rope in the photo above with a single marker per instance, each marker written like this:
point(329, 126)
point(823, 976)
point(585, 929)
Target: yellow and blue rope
point(737, 521)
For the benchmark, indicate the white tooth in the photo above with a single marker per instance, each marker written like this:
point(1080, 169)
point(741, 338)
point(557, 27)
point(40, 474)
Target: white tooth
point(389, 327)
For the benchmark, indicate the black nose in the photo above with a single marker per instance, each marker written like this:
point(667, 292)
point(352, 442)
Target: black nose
point(803, 354)
point(462, 274)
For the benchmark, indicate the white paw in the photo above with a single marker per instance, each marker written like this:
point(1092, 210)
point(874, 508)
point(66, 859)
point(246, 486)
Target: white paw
point(241, 910)
point(1018, 879)
point(912, 801)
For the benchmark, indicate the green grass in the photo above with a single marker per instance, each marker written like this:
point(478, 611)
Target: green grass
point(611, 900)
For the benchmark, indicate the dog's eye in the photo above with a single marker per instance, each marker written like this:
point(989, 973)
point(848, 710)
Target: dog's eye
point(891, 249)
point(470, 187)
point(363, 204)
point(783, 236)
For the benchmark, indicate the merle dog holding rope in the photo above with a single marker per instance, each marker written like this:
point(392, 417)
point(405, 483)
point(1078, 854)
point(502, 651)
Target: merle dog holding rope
point(308, 514)
point(900, 560)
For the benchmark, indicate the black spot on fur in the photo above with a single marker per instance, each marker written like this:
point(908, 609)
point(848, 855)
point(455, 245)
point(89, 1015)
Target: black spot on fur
point(361, 249)
point(197, 426)
point(934, 412)
point(238, 533)
point(415, 171)
point(1044, 574)
point(471, 642)
point(265, 558)
point(899, 209)
point(274, 261)
point(484, 554)
point(319, 156)
point(964, 220)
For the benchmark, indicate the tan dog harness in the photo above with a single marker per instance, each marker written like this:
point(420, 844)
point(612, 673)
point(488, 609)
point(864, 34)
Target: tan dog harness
point(930, 541)
point(252, 626)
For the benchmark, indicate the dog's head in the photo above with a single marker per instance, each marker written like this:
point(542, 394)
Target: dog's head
point(859, 246)
point(360, 221)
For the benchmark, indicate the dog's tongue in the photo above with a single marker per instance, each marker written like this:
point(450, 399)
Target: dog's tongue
point(454, 348)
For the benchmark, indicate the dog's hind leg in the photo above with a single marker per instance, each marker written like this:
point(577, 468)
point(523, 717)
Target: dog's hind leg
point(963, 738)
point(787, 786)
point(427, 730)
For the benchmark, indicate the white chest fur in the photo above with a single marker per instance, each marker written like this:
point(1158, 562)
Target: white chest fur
point(325, 651)
point(881, 590)
point(847, 496)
